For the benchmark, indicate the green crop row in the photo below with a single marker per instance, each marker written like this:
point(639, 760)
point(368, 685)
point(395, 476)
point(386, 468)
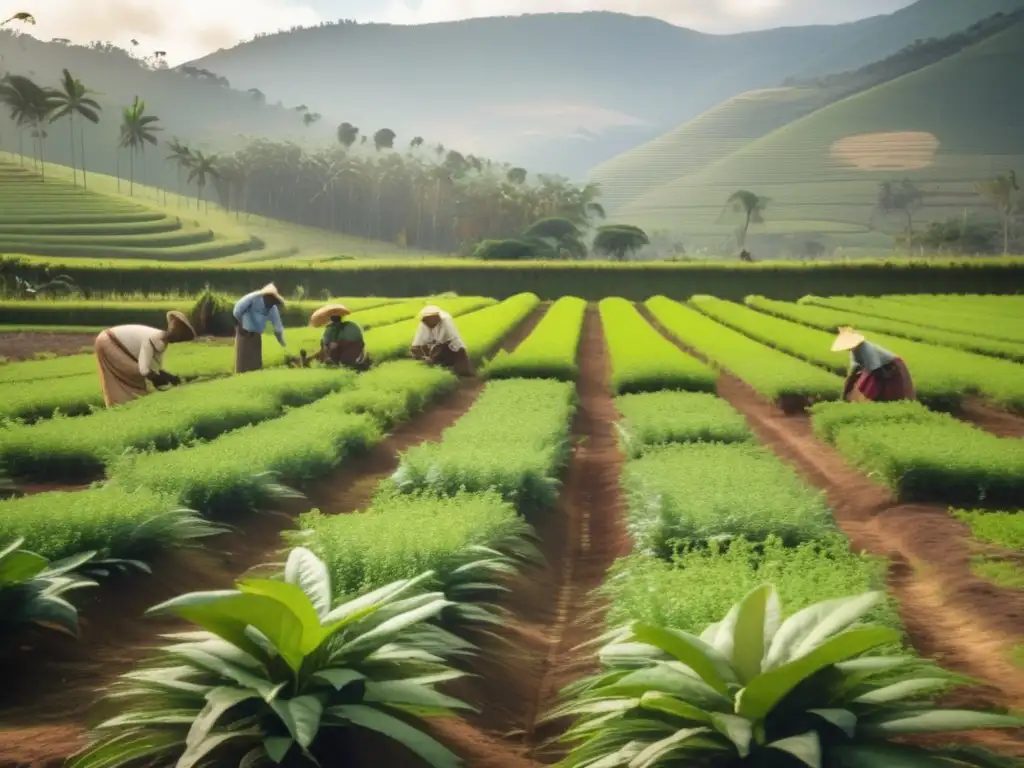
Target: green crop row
point(167, 224)
point(552, 280)
point(101, 216)
point(401, 535)
point(922, 455)
point(155, 240)
point(933, 317)
point(550, 351)
point(71, 396)
point(643, 360)
point(773, 374)
point(514, 439)
point(659, 418)
point(240, 470)
point(75, 450)
point(828, 319)
point(194, 252)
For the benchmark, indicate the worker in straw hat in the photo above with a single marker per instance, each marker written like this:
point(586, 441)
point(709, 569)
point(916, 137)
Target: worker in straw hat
point(130, 355)
point(437, 342)
point(342, 342)
point(875, 373)
point(252, 313)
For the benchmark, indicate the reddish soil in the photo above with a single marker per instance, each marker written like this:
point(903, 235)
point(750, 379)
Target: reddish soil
point(44, 716)
point(25, 346)
point(990, 418)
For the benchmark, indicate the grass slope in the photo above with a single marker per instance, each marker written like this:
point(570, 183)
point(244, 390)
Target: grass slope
point(955, 124)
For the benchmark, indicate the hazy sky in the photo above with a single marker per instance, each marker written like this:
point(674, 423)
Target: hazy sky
point(187, 29)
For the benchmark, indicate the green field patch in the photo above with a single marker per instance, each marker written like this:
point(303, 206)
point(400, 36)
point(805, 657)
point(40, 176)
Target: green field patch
point(550, 351)
point(659, 418)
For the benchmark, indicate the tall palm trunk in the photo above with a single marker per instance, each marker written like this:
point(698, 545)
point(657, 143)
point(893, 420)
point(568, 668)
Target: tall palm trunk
point(117, 156)
point(81, 141)
point(71, 133)
point(131, 171)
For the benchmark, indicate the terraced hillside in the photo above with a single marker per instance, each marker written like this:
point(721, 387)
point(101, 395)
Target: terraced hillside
point(52, 217)
point(945, 127)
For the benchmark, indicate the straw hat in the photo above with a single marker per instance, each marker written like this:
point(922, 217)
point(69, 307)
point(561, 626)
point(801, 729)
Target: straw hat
point(323, 315)
point(430, 311)
point(174, 316)
point(846, 340)
point(271, 290)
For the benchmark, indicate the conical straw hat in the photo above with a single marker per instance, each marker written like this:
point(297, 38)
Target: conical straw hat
point(323, 315)
point(430, 311)
point(271, 290)
point(846, 340)
point(174, 316)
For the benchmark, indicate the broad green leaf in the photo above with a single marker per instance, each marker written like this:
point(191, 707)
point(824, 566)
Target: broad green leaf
point(296, 602)
point(748, 630)
point(843, 719)
point(670, 705)
point(936, 721)
point(806, 748)
point(212, 612)
point(12, 547)
point(904, 689)
point(218, 701)
point(395, 692)
point(208, 661)
point(713, 668)
point(395, 626)
point(887, 755)
point(301, 716)
point(663, 678)
point(339, 677)
point(21, 566)
point(659, 750)
point(737, 729)
point(124, 748)
point(431, 751)
point(765, 691)
point(821, 619)
point(195, 753)
point(308, 572)
point(367, 604)
point(69, 564)
point(277, 747)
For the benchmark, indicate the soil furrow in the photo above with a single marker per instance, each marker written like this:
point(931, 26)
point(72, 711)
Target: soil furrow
point(990, 418)
point(43, 716)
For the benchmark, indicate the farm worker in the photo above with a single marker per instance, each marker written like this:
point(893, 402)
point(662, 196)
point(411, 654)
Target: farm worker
point(129, 355)
point(252, 313)
point(437, 342)
point(875, 373)
point(342, 342)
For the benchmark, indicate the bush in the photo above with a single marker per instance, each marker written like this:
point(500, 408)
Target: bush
point(642, 359)
point(550, 351)
point(658, 418)
point(704, 491)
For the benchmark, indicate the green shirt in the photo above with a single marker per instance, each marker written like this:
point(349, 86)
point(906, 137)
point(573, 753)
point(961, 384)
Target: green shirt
point(346, 330)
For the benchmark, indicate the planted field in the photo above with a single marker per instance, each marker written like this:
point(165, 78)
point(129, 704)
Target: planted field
point(659, 418)
point(644, 361)
point(549, 352)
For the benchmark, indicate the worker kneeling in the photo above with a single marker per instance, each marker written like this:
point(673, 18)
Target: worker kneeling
point(130, 355)
point(342, 343)
point(876, 374)
point(437, 342)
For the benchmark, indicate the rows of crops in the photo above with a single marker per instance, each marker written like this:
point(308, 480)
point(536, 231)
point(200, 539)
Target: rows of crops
point(55, 218)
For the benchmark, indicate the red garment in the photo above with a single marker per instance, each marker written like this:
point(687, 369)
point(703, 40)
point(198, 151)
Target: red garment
point(890, 382)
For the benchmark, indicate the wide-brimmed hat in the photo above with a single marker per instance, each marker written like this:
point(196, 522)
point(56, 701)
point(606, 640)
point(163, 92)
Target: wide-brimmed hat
point(176, 317)
point(323, 315)
point(271, 290)
point(846, 340)
point(430, 311)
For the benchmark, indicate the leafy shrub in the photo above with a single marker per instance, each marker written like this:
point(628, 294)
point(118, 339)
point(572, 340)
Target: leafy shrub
point(32, 589)
point(772, 374)
point(755, 690)
point(108, 520)
point(79, 448)
point(703, 491)
point(828, 419)
point(642, 359)
point(699, 584)
point(514, 439)
point(657, 418)
point(1004, 529)
point(274, 674)
point(550, 351)
point(72, 396)
point(404, 534)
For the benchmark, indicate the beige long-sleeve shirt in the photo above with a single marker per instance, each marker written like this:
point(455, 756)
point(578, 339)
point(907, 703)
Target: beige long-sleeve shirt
point(444, 332)
point(145, 344)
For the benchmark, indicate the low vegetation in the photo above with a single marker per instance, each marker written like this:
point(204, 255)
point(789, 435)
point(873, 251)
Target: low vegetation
point(659, 418)
point(549, 352)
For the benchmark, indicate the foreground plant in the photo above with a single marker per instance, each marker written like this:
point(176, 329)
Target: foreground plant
point(278, 676)
point(32, 589)
point(754, 690)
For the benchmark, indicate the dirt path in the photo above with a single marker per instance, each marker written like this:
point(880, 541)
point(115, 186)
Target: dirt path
point(26, 345)
point(43, 714)
point(990, 418)
point(521, 673)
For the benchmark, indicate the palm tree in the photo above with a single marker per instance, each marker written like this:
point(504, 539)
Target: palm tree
point(416, 142)
point(182, 158)
point(384, 139)
point(30, 105)
point(202, 169)
point(137, 130)
point(22, 16)
point(309, 118)
point(70, 99)
point(1003, 193)
point(347, 135)
point(751, 206)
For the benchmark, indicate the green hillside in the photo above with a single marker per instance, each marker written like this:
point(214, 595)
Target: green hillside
point(944, 127)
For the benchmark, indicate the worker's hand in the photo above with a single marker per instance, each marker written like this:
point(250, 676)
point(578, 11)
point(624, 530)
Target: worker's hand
point(157, 378)
point(171, 379)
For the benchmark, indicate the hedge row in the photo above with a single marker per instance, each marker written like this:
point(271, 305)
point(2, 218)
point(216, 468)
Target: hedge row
point(552, 280)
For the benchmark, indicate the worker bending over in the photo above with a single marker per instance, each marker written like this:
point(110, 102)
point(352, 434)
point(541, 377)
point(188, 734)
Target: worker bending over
point(130, 355)
point(875, 374)
point(437, 342)
point(342, 342)
point(252, 313)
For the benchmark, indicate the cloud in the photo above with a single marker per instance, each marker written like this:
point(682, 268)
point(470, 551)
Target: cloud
point(185, 29)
